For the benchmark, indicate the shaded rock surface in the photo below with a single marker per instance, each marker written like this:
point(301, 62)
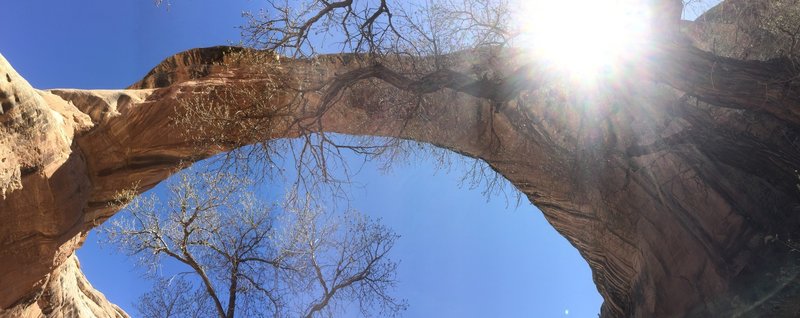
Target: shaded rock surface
point(682, 204)
point(748, 29)
point(67, 293)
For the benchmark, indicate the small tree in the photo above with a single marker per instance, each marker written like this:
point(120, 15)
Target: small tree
point(246, 258)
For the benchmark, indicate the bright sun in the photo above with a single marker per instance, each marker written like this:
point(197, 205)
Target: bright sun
point(583, 37)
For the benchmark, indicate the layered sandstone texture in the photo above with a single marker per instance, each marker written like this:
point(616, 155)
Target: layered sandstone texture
point(676, 182)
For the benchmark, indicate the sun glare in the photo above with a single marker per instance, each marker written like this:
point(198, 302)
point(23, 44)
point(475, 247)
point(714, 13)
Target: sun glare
point(584, 37)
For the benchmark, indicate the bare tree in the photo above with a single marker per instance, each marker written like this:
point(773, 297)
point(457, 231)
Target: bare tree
point(174, 297)
point(245, 258)
point(417, 48)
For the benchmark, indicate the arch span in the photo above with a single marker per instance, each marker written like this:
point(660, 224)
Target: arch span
point(676, 204)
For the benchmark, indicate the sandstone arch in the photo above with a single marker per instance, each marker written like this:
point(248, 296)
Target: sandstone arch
point(679, 189)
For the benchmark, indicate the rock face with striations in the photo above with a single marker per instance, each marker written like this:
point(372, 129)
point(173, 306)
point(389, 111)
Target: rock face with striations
point(678, 187)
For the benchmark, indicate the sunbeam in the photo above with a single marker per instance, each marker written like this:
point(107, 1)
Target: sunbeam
point(586, 38)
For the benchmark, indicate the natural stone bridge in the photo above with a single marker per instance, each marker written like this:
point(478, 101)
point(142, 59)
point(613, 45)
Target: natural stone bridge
point(678, 187)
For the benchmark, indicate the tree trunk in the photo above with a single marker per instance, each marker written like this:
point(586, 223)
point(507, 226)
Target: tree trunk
point(676, 181)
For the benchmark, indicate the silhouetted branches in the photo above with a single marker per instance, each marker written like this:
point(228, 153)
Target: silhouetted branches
point(245, 258)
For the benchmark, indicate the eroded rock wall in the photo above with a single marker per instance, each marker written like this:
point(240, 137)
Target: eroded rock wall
point(67, 294)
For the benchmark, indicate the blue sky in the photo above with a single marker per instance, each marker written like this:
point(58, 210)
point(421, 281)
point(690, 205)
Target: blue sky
point(461, 256)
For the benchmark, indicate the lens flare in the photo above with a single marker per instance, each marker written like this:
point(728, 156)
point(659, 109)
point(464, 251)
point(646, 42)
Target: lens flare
point(584, 37)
